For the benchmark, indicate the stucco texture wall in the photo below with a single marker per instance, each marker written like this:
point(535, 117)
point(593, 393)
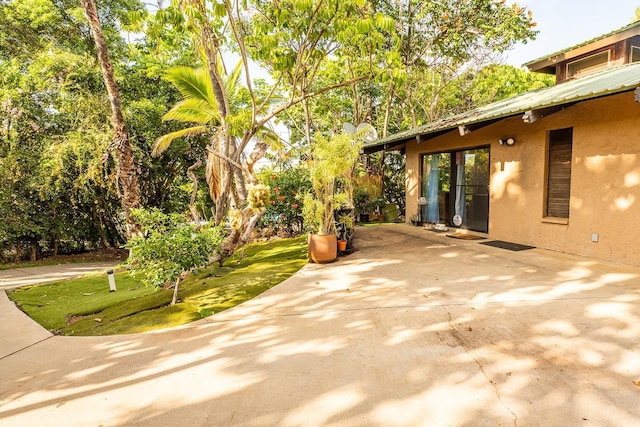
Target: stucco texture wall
point(605, 178)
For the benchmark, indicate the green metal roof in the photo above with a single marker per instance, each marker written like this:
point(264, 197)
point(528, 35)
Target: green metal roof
point(615, 80)
point(593, 40)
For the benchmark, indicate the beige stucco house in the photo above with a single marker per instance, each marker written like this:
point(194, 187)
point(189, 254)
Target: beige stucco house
point(557, 168)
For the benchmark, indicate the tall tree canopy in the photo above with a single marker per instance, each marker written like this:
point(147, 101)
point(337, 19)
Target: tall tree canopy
point(56, 174)
point(127, 175)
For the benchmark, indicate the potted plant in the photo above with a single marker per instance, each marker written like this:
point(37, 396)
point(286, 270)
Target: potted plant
point(378, 207)
point(362, 201)
point(331, 163)
point(344, 228)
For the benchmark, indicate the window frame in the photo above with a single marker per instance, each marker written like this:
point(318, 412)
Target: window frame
point(588, 70)
point(635, 50)
point(556, 170)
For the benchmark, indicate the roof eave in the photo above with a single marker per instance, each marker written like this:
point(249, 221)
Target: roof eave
point(484, 115)
point(549, 61)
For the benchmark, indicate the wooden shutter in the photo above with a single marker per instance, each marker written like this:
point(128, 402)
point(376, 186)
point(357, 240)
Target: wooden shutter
point(559, 173)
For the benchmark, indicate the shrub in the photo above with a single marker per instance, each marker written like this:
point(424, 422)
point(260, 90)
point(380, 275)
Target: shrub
point(169, 247)
point(288, 187)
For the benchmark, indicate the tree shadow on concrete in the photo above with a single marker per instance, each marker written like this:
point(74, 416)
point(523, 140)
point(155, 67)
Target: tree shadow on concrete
point(413, 329)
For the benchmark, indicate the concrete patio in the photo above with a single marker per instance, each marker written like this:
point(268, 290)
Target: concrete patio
point(413, 329)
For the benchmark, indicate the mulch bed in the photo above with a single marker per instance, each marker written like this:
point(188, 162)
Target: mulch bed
point(99, 255)
point(115, 255)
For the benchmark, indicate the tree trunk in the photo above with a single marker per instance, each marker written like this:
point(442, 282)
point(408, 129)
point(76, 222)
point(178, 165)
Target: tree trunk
point(211, 46)
point(55, 244)
point(16, 259)
point(97, 220)
point(226, 177)
point(307, 120)
point(127, 177)
point(174, 300)
point(192, 202)
point(34, 251)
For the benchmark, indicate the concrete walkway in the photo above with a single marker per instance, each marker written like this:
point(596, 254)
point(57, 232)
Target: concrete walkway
point(414, 329)
point(17, 277)
point(17, 330)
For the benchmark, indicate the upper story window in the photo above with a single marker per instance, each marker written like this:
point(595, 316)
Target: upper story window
point(588, 65)
point(635, 54)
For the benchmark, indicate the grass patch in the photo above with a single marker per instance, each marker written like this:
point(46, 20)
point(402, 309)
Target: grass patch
point(86, 307)
point(377, 223)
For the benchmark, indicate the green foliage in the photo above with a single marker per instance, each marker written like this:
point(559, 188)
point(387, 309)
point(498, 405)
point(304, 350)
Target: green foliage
point(331, 165)
point(170, 246)
point(296, 39)
point(80, 188)
point(54, 154)
point(362, 201)
point(54, 138)
point(163, 181)
point(53, 106)
point(415, 61)
point(197, 106)
point(394, 180)
point(30, 26)
point(288, 185)
point(496, 82)
point(439, 42)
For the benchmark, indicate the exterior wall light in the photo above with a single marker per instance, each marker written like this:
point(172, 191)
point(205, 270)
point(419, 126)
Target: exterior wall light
point(507, 141)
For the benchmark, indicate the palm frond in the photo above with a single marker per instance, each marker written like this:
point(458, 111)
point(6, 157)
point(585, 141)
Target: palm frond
point(270, 137)
point(232, 81)
point(192, 110)
point(161, 144)
point(192, 83)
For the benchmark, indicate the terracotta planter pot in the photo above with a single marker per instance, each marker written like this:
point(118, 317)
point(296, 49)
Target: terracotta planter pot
point(323, 249)
point(342, 245)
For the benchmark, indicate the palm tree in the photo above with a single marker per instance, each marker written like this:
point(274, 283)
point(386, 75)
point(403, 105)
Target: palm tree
point(127, 177)
point(199, 107)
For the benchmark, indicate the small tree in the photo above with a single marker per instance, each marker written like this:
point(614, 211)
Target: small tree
point(170, 247)
point(332, 160)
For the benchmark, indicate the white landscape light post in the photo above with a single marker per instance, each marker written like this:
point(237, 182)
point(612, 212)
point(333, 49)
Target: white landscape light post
point(112, 281)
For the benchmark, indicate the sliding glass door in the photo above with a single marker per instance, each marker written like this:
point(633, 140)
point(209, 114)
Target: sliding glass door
point(436, 174)
point(455, 189)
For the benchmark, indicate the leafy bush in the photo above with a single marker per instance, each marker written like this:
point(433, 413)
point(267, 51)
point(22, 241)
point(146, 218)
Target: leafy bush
point(169, 247)
point(394, 180)
point(288, 187)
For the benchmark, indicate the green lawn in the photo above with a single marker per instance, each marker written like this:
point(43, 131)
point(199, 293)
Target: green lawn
point(86, 307)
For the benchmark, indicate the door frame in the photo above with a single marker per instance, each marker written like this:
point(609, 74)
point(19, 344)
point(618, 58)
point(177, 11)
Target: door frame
point(452, 182)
